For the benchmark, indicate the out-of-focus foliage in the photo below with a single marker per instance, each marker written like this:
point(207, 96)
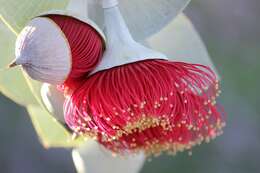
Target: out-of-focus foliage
point(180, 41)
point(143, 17)
point(51, 133)
point(12, 81)
point(16, 13)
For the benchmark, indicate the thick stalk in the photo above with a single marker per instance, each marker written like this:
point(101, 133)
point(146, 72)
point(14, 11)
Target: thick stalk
point(93, 158)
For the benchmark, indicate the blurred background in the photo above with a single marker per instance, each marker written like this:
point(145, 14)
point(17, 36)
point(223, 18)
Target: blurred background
point(231, 31)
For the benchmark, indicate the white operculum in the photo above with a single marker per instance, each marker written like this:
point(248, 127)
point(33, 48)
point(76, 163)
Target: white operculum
point(43, 51)
point(121, 47)
point(93, 158)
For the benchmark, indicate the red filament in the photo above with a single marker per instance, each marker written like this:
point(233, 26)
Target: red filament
point(86, 46)
point(150, 105)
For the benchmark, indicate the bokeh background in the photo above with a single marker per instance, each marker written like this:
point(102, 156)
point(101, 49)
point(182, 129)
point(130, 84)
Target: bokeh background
point(231, 31)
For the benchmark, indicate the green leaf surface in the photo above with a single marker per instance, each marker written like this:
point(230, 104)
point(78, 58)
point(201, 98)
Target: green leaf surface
point(143, 17)
point(12, 81)
point(50, 132)
point(180, 41)
point(16, 13)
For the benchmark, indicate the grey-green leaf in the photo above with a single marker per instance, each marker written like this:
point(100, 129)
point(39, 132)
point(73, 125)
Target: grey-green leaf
point(50, 132)
point(12, 81)
point(143, 17)
point(181, 42)
point(16, 13)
